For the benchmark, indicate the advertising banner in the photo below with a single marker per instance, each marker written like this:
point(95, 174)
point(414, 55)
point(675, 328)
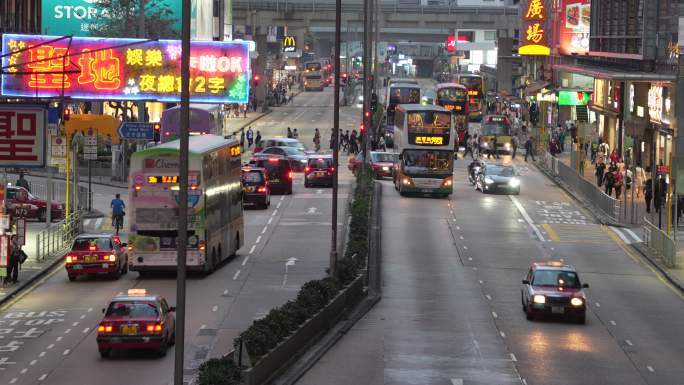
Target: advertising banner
point(77, 17)
point(122, 69)
point(22, 136)
point(534, 39)
point(575, 26)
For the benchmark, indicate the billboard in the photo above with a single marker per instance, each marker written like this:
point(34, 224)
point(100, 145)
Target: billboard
point(573, 98)
point(122, 69)
point(574, 27)
point(451, 43)
point(77, 17)
point(534, 33)
point(22, 135)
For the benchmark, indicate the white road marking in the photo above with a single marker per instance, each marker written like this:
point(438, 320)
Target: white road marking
point(42, 354)
point(23, 371)
point(470, 258)
point(619, 234)
point(456, 381)
point(612, 322)
point(59, 338)
point(244, 261)
point(282, 198)
point(67, 331)
point(524, 381)
point(42, 378)
point(521, 220)
point(203, 327)
point(650, 368)
point(258, 239)
point(214, 309)
point(12, 381)
point(83, 316)
point(461, 237)
point(33, 362)
point(636, 237)
point(513, 358)
point(225, 292)
point(252, 249)
point(51, 346)
point(86, 330)
point(237, 273)
point(98, 222)
point(524, 214)
point(495, 315)
point(270, 220)
point(503, 335)
point(458, 227)
point(319, 191)
point(465, 247)
point(278, 205)
point(66, 352)
point(481, 282)
point(628, 342)
point(489, 297)
point(264, 230)
point(598, 304)
point(75, 324)
point(274, 212)
point(90, 309)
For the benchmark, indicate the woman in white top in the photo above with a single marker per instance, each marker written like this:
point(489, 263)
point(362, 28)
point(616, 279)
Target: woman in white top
point(640, 179)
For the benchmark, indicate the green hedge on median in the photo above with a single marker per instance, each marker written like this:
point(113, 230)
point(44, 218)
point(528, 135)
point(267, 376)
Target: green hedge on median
point(266, 333)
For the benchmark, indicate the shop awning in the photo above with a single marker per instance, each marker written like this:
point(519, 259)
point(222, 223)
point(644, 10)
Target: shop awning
point(608, 74)
point(535, 87)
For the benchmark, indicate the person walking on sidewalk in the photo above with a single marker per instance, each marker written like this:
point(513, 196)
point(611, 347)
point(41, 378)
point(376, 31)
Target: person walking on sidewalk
point(257, 140)
point(594, 150)
point(614, 156)
point(295, 134)
point(514, 146)
point(609, 181)
point(529, 149)
point(619, 182)
point(317, 140)
point(13, 261)
point(640, 178)
point(600, 170)
point(289, 133)
point(250, 136)
point(648, 194)
point(21, 182)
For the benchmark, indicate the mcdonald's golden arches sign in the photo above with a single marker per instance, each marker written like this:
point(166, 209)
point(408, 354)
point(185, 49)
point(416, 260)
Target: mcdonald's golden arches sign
point(289, 44)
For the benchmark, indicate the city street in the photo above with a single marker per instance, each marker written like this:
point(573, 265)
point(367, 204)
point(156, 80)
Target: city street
point(451, 311)
point(48, 335)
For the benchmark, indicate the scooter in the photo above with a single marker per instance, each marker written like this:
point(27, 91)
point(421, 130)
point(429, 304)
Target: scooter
point(473, 170)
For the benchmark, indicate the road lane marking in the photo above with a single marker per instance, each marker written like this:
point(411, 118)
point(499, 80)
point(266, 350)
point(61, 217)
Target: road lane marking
point(598, 304)
point(527, 218)
point(66, 352)
point(503, 335)
point(489, 297)
point(33, 362)
point(650, 368)
point(513, 358)
point(244, 261)
point(470, 258)
point(225, 292)
point(282, 198)
point(258, 239)
point(619, 234)
point(237, 273)
point(612, 322)
point(264, 230)
point(495, 315)
point(83, 316)
point(23, 371)
point(12, 381)
point(481, 282)
point(59, 338)
point(274, 212)
point(51, 346)
point(214, 309)
point(628, 342)
point(67, 331)
point(461, 237)
point(203, 327)
point(465, 247)
point(456, 381)
point(270, 220)
point(42, 354)
point(458, 227)
point(551, 232)
point(86, 330)
point(74, 324)
point(252, 249)
point(42, 378)
point(90, 309)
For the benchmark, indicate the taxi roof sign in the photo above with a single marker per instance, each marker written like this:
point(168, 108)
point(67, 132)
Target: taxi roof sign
point(137, 292)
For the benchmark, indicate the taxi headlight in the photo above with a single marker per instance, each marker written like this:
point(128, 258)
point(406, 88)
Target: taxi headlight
point(488, 180)
point(540, 299)
point(576, 301)
point(385, 168)
point(507, 146)
point(514, 182)
point(485, 144)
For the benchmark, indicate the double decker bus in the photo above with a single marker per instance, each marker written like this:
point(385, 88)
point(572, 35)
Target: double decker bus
point(424, 142)
point(454, 97)
point(204, 119)
point(399, 93)
point(215, 222)
point(475, 85)
point(316, 75)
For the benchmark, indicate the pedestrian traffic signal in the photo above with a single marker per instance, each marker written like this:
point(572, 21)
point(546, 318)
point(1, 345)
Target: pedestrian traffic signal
point(362, 127)
point(374, 102)
point(256, 78)
point(367, 114)
point(66, 113)
point(157, 132)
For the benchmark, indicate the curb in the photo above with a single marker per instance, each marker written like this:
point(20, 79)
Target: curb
point(26, 284)
point(641, 249)
point(93, 214)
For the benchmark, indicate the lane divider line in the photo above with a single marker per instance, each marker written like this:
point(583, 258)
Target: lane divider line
point(66, 352)
point(252, 249)
point(59, 338)
point(12, 381)
point(51, 346)
point(258, 239)
point(650, 369)
point(598, 304)
point(86, 330)
point(264, 230)
point(33, 362)
point(527, 218)
point(489, 297)
point(503, 335)
point(628, 342)
point(42, 354)
point(612, 322)
point(83, 316)
point(23, 371)
point(244, 261)
point(214, 309)
point(225, 292)
point(513, 358)
point(553, 236)
point(67, 331)
point(270, 220)
point(495, 315)
point(42, 378)
point(237, 273)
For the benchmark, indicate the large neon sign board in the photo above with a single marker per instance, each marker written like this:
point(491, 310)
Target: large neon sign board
point(122, 69)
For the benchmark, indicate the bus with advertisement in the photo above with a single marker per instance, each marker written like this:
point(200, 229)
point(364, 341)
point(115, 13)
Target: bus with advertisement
point(204, 119)
point(424, 143)
point(398, 93)
point(316, 75)
point(215, 217)
point(454, 97)
point(475, 85)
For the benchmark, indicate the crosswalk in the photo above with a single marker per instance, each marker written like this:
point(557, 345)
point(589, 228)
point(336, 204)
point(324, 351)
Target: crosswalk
point(626, 234)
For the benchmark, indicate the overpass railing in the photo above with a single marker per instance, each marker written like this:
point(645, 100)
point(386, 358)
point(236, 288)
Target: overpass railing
point(357, 7)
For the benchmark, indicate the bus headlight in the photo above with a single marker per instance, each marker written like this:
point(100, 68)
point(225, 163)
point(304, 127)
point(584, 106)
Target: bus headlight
point(407, 181)
point(447, 182)
point(514, 182)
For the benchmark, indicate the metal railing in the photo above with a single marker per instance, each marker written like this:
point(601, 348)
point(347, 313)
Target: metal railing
point(660, 243)
point(608, 205)
point(57, 238)
point(358, 7)
point(40, 190)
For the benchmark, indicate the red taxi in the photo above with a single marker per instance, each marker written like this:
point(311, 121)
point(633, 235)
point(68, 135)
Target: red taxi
point(382, 164)
point(319, 171)
point(136, 321)
point(21, 203)
point(554, 288)
point(255, 187)
point(96, 254)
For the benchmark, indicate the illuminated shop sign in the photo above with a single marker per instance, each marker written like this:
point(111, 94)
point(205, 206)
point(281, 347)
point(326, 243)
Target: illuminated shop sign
point(534, 30)
point(660, 103)
point(575, 27)
point(122, 69)
point(289, 44)
point(573, 98)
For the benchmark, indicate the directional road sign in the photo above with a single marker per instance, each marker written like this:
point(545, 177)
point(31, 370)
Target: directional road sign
point(136, 131)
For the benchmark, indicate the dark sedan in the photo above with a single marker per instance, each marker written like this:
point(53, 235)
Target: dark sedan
point(498, 178)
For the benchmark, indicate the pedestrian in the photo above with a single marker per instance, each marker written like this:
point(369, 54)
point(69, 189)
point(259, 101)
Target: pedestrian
point(640, 178)
point(295, 134)
point(599, 172)
point(618, 183)
point(289, 133)
point(648, 193)
point(108, 144)
point(352, 143)
point(609, 181)
point(244, 111)
point(469, 144)
point(14, 260)
point(529, 149)
point(242, 139)
point(21, 182)
point(332, 140)
point(514, 145)
point(250, 136)
point(317, 140)
point(614, 156)
point(257, 140)
point(492, 149)
point(594, 150)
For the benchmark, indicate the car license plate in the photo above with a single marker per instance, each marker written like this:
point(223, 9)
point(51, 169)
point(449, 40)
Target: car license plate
point(557, 309)
point(129, 329)
point(77, 267)
point(248, 189)
point(426, 190)
point(90, 258)
point(320, 173)
point(275, 180)
point(105, 266)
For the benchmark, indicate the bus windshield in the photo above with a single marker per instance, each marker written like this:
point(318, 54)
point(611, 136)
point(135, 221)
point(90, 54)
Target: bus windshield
point(313, 66)
point(496, 129)
point(404, 95)
point(428, 122)
point(426, 162)
point(453, 95)
point(472, 82)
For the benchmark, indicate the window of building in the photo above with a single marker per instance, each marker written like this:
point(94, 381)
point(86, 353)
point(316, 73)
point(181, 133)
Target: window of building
point(477, 56)
point(490, 35)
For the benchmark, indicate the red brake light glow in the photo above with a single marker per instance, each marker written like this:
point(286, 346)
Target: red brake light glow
point(272, 159)
point(290, 175)
point(261, 189)
point(92, 248)
point(307, 169)
point(154, 328)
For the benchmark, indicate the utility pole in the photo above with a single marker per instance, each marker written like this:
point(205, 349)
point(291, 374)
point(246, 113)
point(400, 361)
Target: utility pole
point(366, 83)
point(183, 193)
point(141, 34)
point(336, 136)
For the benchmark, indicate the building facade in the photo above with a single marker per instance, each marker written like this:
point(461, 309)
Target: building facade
point(19, 16)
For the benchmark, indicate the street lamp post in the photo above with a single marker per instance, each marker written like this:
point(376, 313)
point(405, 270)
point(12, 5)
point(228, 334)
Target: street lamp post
point(183, 193)
point(336, 136)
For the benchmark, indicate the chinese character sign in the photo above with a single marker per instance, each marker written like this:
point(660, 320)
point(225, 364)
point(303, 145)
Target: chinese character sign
point(533, 39)
point(123, 69)
point(22, 135)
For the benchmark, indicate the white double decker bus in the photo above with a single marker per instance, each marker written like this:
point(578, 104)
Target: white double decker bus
point(215, 223)
point(424, 141)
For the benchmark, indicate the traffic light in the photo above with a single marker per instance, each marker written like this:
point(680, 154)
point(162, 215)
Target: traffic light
point(362, 128)
point(157, 132)
point(374, 102)
point(66, 113)
point(367, 114)
point(256, 79)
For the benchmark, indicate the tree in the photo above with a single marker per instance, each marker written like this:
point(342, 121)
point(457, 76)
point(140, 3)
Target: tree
point(120, 19)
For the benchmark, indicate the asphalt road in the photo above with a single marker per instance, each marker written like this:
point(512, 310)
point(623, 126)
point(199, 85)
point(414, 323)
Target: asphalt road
point(451, 311)
point(47, 336)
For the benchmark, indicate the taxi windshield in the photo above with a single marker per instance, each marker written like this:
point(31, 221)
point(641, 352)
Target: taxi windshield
point(84, 244)
point(556, 278)
point(386, 158)
point(132, 309)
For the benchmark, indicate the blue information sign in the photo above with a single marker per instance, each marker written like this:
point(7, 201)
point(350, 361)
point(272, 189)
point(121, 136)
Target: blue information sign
point(136, 131)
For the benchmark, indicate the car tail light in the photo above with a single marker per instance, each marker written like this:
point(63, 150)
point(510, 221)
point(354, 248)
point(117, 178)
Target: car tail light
point(71, 258)
point(307, 169)
point(129, 247)
point(151, 328)
point(105, 329)
point(202, 246)
point(290, 175)
point(261, 189)
point(92, 248)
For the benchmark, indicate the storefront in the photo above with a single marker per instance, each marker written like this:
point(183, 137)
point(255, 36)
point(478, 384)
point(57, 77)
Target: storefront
point(661, 115)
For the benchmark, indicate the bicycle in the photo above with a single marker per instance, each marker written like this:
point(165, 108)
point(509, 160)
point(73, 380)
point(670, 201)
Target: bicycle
point(118, 223)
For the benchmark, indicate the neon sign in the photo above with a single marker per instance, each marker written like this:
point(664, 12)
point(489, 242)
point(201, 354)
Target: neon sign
point(534, 33)
point(122, 69)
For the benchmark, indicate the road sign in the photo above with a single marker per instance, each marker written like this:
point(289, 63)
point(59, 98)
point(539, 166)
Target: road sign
point(136, 131)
